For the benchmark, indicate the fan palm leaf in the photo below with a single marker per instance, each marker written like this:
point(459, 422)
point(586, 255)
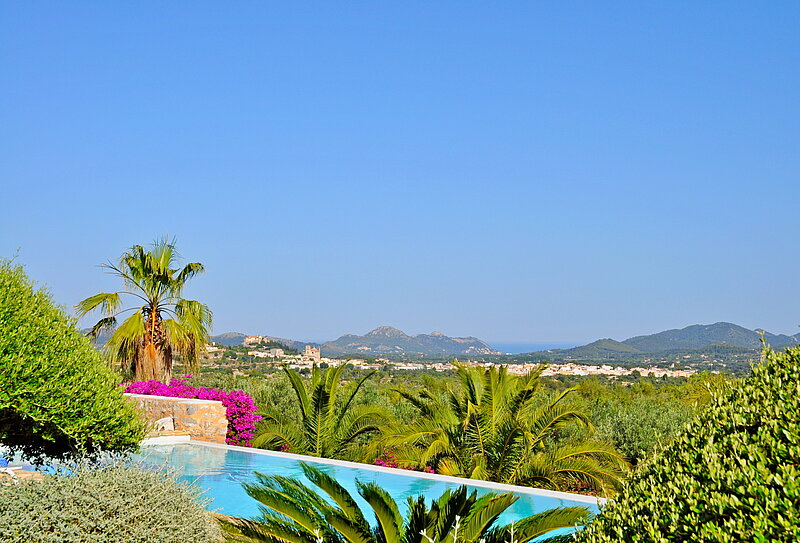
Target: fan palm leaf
point(163, 323)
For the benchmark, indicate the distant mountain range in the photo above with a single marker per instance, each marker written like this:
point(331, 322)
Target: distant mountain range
point(383, 341)
point(697, 336)
point(388, 341)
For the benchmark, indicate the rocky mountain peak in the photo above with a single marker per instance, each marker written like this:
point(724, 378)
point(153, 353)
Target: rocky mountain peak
point(387, 331)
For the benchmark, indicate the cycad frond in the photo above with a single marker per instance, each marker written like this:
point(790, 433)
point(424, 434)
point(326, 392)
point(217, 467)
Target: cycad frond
point(493, 427)
point(295, 513)
point(540, 524)
point(273, 434)
point(387, 514)
point(326, 428)
point(483, 515)
point(340, 496)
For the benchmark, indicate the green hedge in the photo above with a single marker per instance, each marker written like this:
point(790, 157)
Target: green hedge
point(57, 395)
point(732, 475)
point(111, 504)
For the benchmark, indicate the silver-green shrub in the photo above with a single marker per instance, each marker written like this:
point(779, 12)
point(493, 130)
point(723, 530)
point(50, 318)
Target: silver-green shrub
point(112, 504)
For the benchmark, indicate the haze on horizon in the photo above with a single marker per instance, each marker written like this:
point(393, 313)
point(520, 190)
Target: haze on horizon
point(524, 173)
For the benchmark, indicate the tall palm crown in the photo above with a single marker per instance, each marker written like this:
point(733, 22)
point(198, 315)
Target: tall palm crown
point(500, 427)
point(162, 324)
point(330, 423)
point(293, 512)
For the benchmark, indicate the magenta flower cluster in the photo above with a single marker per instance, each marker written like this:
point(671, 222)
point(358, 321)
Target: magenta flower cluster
point(239, 407)
point(388, 460)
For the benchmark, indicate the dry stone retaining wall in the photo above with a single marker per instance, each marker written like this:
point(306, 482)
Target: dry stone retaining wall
point(204, 420)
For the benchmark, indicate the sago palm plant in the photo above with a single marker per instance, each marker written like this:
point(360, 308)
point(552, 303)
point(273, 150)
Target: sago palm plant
point(331, 425)
point(500, 427)
point(293, 512)
point(163, 323)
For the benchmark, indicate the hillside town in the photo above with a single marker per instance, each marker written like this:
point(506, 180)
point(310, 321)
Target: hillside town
point(311, 356)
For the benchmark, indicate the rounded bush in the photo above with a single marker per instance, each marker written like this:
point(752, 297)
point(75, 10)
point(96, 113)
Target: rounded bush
point(733, 474)
point(57, 395)
point(112, 504)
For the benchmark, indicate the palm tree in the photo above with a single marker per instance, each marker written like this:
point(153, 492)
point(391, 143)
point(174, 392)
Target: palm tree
point(330, 426)
point(499, 427)
point(163, 323)
point(293, 512)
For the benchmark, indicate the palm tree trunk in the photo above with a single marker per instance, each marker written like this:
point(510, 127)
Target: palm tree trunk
point(155, 355)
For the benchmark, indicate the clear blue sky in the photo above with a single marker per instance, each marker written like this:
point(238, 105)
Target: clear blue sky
point(526, 171)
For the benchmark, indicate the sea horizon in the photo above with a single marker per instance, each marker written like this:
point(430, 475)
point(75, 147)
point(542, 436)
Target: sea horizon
point(518, 347)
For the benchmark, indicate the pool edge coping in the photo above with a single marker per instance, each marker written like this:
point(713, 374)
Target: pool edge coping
point(557, 494)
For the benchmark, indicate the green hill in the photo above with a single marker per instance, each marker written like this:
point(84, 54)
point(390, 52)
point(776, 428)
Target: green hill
point(602, 348)
point(702, 335)
point(229, 339)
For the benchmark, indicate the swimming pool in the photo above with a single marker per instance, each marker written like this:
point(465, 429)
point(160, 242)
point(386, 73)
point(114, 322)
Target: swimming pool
point(221, 470)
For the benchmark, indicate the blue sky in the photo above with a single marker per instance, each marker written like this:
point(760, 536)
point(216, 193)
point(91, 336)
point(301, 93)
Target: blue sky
point(548, 172)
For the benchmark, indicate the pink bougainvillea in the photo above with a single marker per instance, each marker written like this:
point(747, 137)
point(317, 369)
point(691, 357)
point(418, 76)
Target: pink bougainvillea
point(239, 407)
point(388, 460)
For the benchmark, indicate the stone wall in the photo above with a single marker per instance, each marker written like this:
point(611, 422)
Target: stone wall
point(204, 420)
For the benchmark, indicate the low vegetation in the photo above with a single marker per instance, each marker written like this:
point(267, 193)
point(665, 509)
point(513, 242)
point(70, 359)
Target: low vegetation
point(116, 503)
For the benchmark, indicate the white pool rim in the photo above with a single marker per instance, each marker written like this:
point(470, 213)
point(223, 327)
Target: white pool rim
point(502, 487)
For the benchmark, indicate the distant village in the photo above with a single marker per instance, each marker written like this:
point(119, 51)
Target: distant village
point(311, 356)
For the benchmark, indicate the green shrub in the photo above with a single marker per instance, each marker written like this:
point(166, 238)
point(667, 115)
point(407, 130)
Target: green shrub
point(636, 427)
point(113, 504)
point(732, 475)
point(57, 395)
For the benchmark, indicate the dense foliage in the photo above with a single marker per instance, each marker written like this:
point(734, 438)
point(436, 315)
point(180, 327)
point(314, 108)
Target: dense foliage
point(637, 427)
point(163, 322)
point(239, 407)
point(732, 475)
point(501, 427)
point(112, 504)
point(297, 513)
point(57, 395)
point(331, 423)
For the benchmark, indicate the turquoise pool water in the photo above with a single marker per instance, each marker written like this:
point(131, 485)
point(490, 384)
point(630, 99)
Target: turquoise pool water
point(222, 470)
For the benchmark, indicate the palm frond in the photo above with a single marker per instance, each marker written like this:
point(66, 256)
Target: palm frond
point(102, 324)
point(189, 271)
point(387, 514)
point(273, 433)
point(123, 345)
point(108, 302)
point(483, 514)
point(540, 524)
